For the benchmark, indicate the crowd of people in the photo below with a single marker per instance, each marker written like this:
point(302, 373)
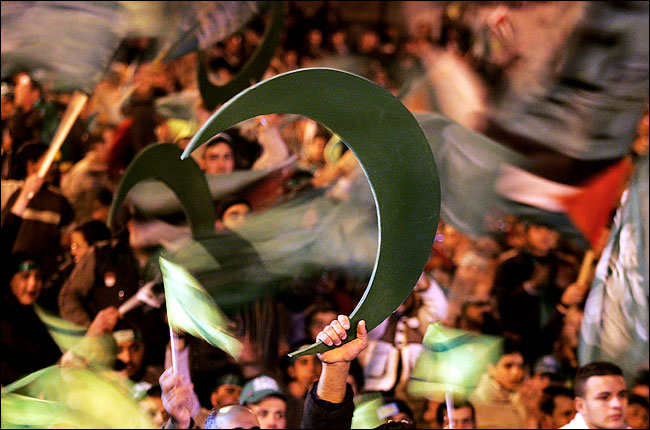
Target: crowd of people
point(521, 283)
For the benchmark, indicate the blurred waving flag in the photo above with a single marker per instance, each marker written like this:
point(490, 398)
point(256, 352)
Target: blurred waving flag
point(551, 141)
point(481, 176)
point(191, 309)
point(452, 361)
point(616, 316)
point(70, 44)
point(188, 26)
point(66, 43)
point(66, 397)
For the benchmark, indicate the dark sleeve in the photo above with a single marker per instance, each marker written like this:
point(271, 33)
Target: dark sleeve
point(67, 212)
point(76, 288)
point(10, 228)
point(321, 414)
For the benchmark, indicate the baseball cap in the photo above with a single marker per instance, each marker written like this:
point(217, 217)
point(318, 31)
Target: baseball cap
point(259, 388)
point(547, 364)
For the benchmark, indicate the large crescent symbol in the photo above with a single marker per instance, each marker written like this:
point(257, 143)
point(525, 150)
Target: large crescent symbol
point(394, 154)
point(254, 68)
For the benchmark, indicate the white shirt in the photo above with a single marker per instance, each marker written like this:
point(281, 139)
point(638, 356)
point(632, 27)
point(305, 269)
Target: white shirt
point(578, 422)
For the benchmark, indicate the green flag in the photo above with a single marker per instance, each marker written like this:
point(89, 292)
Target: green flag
point(452, 361)
point(191, 309)
point(615, 322)
point(65, 397)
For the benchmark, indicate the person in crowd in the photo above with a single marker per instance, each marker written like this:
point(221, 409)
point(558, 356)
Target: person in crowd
point(107, 276)
point(524, 287)
point(218, 156)
point(81, 239)
point(329, 402)
point(88, 177)
point(640, 384)
point(264, 397)
point(227, 390)
point(47, 215)
point(600, 397)
point(395, 410)
point(299, 374)
point(316, 318)
point(232, 417)
point(131, 361)
point(26, 124)
point(26, 343)
point(496, 398)
point(178, 399)
point(231, 213)
point(637, 412)
point(556, 406)
point(463, 416)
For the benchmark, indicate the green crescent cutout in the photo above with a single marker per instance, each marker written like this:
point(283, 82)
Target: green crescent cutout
point(153, 163)
point(395, 156)
point(254, 68)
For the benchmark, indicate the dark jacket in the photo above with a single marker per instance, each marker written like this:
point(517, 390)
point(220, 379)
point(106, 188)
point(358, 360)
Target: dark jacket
point(321, 414)
point(26, 344)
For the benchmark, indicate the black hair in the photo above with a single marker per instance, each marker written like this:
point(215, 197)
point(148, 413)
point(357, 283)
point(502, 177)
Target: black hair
point(223, 205)
point(547, 402)
point(597, 368)
point(319, 305)
point(642, 378)
point(396, 425)
point(401, 405)
point(29, 152)
point(635, 399)
point(218, 138)
point(442, 410)
point(94, 231)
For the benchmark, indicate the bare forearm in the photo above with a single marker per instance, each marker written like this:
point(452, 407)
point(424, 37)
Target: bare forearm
point(332, 383)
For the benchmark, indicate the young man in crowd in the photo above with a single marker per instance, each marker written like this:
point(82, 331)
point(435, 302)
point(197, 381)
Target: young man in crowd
point(218, 156)
point(601, 397)
point(557, 407)
point(263, 396)
point(463, 416)
point(497, 399)
point(637, 412)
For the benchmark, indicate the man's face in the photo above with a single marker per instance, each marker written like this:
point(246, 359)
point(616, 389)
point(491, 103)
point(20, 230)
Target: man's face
point(131, 352)
point(637, 416)
point(541, 240)
point(319, 321)
point(78, 245)
point(235, 216)
point(604, 403)
point(218, 159)
point(305, 369)
point(509, 371)
point(225, 395)
point(271, 412)
point(563, 412)
point(26, 286)
point(461, 418)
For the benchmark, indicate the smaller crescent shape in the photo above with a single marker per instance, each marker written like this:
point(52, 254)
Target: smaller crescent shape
point(254, 68)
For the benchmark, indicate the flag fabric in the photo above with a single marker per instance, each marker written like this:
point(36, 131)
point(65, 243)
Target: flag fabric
point(72, 339)
point(183, 27)
point(191, 309)
point(616, 317)
point(67, 44)
point(452, 361)
point(68, 397)
point(590, 108)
